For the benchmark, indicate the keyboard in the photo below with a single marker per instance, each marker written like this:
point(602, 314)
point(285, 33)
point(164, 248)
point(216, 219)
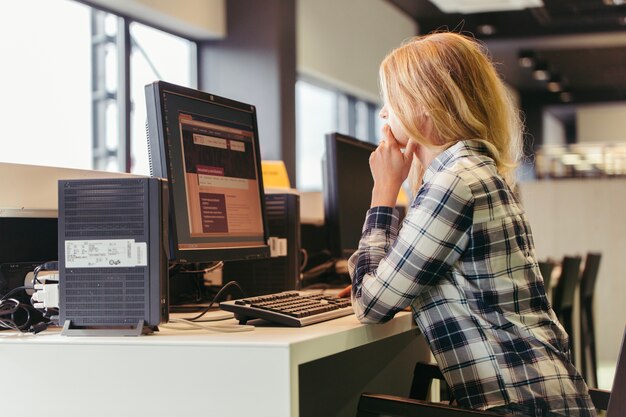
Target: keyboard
point(291, 308)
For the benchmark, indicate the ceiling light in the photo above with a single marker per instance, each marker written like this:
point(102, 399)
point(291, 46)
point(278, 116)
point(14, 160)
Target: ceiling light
point(480, 6)
point(554, 84)
point(541, 72)
point(614, 2)
point(486, 29)
point(526, 59)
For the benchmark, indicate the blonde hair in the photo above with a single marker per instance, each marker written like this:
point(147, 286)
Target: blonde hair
point(449, 79)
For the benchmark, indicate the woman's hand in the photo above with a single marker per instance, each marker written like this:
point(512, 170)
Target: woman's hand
point(390, 167)
point(345, 293)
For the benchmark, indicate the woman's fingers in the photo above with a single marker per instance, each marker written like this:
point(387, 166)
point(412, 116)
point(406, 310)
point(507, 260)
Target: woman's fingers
point(389, 138)
point(410, 150)
point(345, 292)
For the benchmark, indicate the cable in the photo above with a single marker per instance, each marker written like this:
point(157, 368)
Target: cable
point(46, 266)
point(18, 315)
point(191, 325)
point(15, 290)
point(204, 270)
point(319, 270)
point(45, 299)
point(206, 310)
point(305, 259)
point(10, 307)
point(197, 271)
point(192, 283)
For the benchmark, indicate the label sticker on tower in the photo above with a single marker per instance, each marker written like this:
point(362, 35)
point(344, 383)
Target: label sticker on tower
point(107, 253)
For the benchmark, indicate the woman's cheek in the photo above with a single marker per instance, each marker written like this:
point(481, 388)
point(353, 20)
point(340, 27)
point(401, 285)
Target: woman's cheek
point(401, 137)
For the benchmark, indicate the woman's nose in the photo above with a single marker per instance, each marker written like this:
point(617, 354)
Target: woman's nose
point(383, 113)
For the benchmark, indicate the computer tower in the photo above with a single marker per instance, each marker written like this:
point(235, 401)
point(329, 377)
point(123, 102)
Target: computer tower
point(113, 261)
point(279, 272)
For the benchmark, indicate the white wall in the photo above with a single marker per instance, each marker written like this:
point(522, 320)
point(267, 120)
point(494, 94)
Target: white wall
point(601, 123)
point(199, 19)
point(570, 217)
point(343, 42)
point(553, 130)
point(31, 190)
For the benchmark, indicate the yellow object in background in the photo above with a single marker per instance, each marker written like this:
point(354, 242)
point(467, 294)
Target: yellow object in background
point(275, 174)
point(403, 198)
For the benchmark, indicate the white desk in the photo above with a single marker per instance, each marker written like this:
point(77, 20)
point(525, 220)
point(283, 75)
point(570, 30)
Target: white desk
point(318, 370)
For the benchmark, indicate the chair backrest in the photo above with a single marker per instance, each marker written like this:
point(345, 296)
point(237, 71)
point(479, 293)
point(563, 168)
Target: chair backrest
point(546, 268)
point(589, 275)
point(617, 402)
point(563, 297)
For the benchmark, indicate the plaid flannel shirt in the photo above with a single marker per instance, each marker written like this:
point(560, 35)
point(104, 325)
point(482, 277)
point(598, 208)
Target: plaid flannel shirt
point(464, 260)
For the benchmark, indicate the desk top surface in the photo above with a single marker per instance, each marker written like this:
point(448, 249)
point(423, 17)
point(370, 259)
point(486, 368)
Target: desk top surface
point(307, 343)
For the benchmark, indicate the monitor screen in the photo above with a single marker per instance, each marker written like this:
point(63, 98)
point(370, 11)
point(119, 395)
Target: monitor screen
point(347, 183)
point(207, 147)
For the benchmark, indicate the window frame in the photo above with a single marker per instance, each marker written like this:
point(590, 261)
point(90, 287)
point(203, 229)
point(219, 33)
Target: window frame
point(123, 44)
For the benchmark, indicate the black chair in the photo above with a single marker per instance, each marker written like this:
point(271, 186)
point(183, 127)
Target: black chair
point(614, 401)
point(587, 332)
point(380, 405)
point(423, 374)
point(546, 267)
point(563, 296)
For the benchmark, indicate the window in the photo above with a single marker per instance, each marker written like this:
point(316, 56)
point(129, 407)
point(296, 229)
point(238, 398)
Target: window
point(46, 93)
point(321, 110)
point(316, 115)
point(155, 55)
point(75, 97)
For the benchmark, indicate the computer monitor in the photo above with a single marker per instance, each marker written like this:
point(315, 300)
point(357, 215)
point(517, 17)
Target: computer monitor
point(207, 147)
point(347, 183)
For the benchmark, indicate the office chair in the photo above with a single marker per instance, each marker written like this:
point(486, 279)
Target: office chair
point(423, 374)
point(613, 401)
point(587, 332)
point(546, 267)
point(563, 297)
point(381, 405)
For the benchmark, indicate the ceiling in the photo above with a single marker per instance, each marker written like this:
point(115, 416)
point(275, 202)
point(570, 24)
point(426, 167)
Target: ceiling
point(581, 42)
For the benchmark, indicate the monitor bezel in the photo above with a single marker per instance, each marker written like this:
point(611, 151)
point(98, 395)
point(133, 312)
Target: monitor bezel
point(159, 155)
point(330, 171)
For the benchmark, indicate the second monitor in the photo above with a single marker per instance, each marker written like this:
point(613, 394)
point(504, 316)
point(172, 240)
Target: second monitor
point(347, 184)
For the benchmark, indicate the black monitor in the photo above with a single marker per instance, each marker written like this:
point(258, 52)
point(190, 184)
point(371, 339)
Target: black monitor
point(207, 147)
point(347, 183)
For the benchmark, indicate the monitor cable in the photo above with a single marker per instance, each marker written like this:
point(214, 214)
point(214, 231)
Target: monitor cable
point(26, 318)
point(18, 315)
point(193, 324)
point(191, 283)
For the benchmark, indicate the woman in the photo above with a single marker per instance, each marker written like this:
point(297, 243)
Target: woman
point(464, 259)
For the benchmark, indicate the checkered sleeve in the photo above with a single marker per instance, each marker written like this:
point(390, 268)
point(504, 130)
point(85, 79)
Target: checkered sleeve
point(391, 267)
